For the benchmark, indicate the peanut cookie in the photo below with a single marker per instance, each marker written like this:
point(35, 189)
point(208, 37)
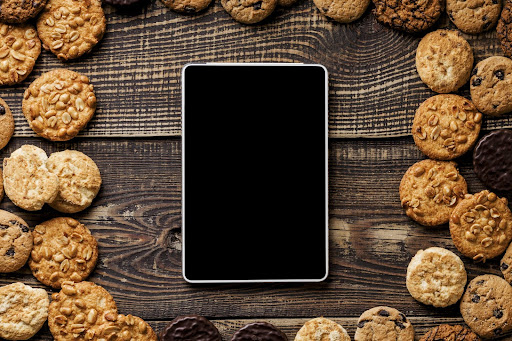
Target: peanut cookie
point(384, 324)
point(6, 125)
point(259, 331)
point(481, 226)
point(436, 276)
point(129, 328)
point(486, 306)
point(491, 86)
point(408, 15)
point(504, 28)
point(190, 327)
point(187, 6)
point(446, 126)
point(320, 329)
point(473, 16)
point(70, 28)
point(19, 11)
point(82, 311)
point(429, 191)
point(444, 60)
point(446, 332)
point(59, 104)
point(506, 264)
point(27, 181)
point(19, 49)
point(15, 242)
point(343, 11)
point(64, 250)
point(249, 11)
point(23, 311)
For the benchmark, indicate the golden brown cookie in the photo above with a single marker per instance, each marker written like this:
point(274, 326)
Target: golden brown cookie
point(384, 324)
point(473, 16)
point(15, 242)
point(504, 28)
point(320, 329)
point(59, 104)
point(408, 15)
point(249, 11)
point(506, 264)
point(430, 190)
point(128, 327)
point(446, 332)
point(19, 11)
point(187, 6)
point(343, 11)
point(6, 126)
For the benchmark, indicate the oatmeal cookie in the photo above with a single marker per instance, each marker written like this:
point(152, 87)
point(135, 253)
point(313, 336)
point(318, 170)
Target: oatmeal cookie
point(320, 329)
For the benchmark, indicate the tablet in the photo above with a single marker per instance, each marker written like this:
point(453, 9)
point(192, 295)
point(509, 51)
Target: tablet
point(254, 156)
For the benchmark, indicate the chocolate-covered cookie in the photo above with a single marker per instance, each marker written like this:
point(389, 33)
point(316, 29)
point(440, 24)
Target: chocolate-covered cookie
point(259, 331)
point(191, 327)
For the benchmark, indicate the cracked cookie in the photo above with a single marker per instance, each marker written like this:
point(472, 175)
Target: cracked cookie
point(19, 11)
point(408, 15)
point(6, 127)
point(249, 11)
point(504, 28)
point(384, 324)
point(473, 16)
point(259, 331)
point(320, 329)
point(187, 6)
point(190, 327)
point(15, 242)
point(446, 332)
point(343, 11)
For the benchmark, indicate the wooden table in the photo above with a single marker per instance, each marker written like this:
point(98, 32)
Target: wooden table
point(135, 139)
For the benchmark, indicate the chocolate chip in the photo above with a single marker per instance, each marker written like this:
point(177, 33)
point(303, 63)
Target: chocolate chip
point(504, 266)
point(498, 331)
point(480, 282)
point(10, 252)
point(477, 81)
point(497, 313)
point(474, 72)
point(402, 316)
point(4, 227)
point(2, 110)
point(384, 313)
point(362, 323)
point(486, 25)
point(475, 298)
point(400, 325)
point(257, 5)
point(24, 228)
point(500, 75)
point(450, 15)
point(190, 9)
point(495, 106)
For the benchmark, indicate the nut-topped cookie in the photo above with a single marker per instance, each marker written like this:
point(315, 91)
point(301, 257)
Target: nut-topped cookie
point(408, 15)
point(481, 226)
point(446, 126)
point(384, 324)
point(319, 329)
point(19, 11)
point(473, 16)
point(343, 11)
point(59, 104)
point(15, 242)
point(187, 6)
point(430, 190)
point(249, 11)
point(128, 327)
point(447, 332)
point(6, 125)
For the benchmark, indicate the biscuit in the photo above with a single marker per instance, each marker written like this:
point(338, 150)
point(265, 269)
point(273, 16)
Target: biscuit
point(128, 327)
point(486, 306)
point(473, 16)
point(446, 332)
point(6, 125)
point(187, 6)
point(249, 11)
point(506, 265)
point(408, 15)
point(27, 181)
point(320, 329)
point(504, 28)
point(19, 49)
point(19, 11)
point(23, 311)
point(343, 11)
point(481, 226)
point(15, 242)
point(259, 331)
point(429, 191)
point(190, 327)
point(444, 60)
point(446, 126)
point(59, 104)
point(491, 86)
point(384, 324)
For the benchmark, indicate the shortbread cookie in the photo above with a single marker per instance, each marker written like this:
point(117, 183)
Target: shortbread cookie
point(320, 329)
point(27, 181)
point(429, 191)
point(19, 11)
point(408, 15)
point(506, 265)
point(249, 11)
point(444, 60)
point(6, 125)
point(23, 311)
point(259, 331)
point(343, 11)
point(79, 180)
point(504, 28)
point(486, 306)
point(446, 332)
point(70, 28)
point(19, 49)
point(473, 16)
point(59, 104)
point(187, 6)
point(15, 242)
point(446, 126)
point(384, 324)
point(190, 327)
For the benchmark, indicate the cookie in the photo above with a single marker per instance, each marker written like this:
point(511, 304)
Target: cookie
point(19, 49)
point(19, 11)
point(481, 226)
point(6, 125)
point(286, 3)
point(446, 126)
point(320, 329)
point(506, 265)
point(23, 311)
point(259, 331)
point(429, 191)
point(249, 11)
point(191, 327)
point(124, 3)
point(128, 327)
point(473, 16)
point(59, 104)
point(1, 185)
point(70, 29)
point(491, 86)
point(15, 242)
point(27, 181)
point(384, 324)
point(446, 332)
point(491, 160)
point(408, 15)
point(504, 28)
point(486, 306)
point(343, 11)
point(187, 6)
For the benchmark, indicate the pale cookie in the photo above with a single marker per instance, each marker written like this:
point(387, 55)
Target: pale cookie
point(71, 28)
point(444, 60)
point(6, 126)
point(408, 15)
point(128, 327)
point(343, 11)
point(446, 126)
point(486, 306)
point(15, 242)
point(506, 264)
point(473, 16)
point(59, 104)
point(64, 250)
point(187, 6)
point(27, 181)
point(19, 11)
point(430, 190)
point(249, 11)
point(19, 49)
point(79, 180)
point(320, 329)
point(23, 311)
point(384, 324)
point(481, 226)
point(446, 332)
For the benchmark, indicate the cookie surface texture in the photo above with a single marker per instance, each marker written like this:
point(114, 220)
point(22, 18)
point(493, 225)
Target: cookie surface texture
point(6, 127)
point(384, 324)
point(319, 329)
point(19, 11)
point(446, 332)
point(190, 327)
point(504, 28)
point(128, 327)
point(249, 11)
point(259, 331)
point(474, 16)
point(343, 11)
point(15, 242)
point(408, 15)
point(187, 6)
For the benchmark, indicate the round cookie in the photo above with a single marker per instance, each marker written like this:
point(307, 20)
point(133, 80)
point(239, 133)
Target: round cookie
point(187, 6)
point(481, 226)
point(429, 191)
point(506, 265)
point(19, 11)
point(128, 327)
point(19, 49)
point(23, 311)
point(408, 15)
point(444, 60)
point(446, 126)
point(249, 11)
point(15, 242)
point(491, 86)
point(64, 250)
point(70, 29)
point(320, 329)
point(343, 11)
point(6, 125)
point(384, 324)
point(190, 327)
point(79, 180)
point(473, 16)
point(446, 332)
point(504, 28)
point(59, 104)
point(486, 306)
point(27, 181)
point(261, 331)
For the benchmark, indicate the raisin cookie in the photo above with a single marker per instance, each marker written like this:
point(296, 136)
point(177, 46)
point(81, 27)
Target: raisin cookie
point(19, 11)
point(429, 191)
point(187, 6)
point(384, 324)
point(15, 242)
point(6, 125)
point(259, 331)
point(320, 329)
point(408, 15)
point(446, 332)
point(249, 11)
point(504, 28)
point(473, 16)
point(190, 327)
point(343, 11)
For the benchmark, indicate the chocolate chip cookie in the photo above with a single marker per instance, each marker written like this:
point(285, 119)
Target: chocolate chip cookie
point(343, 11)
point(473, 16)
point(6, 125)
point(446, 332)
point(384, 324)
point(504, 28)
point(408, 15)
point(249, 11)
point(320, 329)
point(15, 242)
point(187, 6)
point(19, 11)
point(190, 327)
